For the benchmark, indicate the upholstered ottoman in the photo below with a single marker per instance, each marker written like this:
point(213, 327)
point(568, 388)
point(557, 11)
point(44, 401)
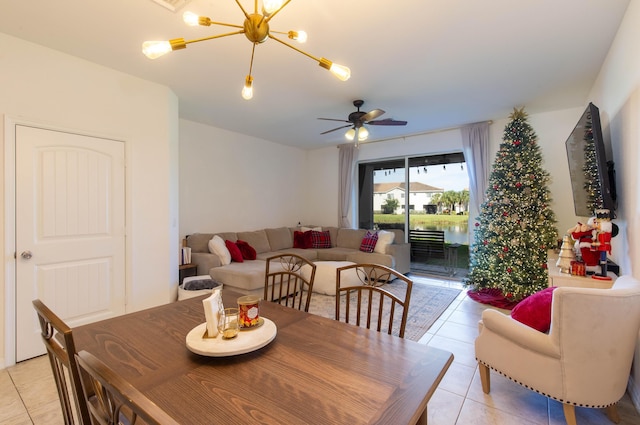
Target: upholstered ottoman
point(325, 280)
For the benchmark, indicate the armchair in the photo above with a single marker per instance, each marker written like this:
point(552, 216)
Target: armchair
point(584, 360)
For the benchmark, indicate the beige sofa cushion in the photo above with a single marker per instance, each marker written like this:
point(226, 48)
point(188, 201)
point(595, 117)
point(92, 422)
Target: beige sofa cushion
point(257, 239)
point(350, 238)
point(246, 276)
point(198, 242)
point(280, 238)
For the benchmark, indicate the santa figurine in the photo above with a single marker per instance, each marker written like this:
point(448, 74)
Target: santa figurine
point(582, 233)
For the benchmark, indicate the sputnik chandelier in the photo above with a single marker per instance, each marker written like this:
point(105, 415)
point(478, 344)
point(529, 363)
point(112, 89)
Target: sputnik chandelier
point(255, 28)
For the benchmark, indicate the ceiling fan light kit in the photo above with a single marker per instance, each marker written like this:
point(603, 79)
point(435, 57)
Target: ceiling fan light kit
point(256, 30)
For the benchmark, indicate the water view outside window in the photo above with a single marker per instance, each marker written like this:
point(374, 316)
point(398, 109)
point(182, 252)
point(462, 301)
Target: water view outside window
point(435, 198)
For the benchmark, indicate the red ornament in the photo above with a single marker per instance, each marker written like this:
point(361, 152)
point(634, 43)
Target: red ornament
point(485, 242)
point(504, 214)
point(517, 142)
point(505, 249)
point(477, 224)
point(495, 187)
point(518, 185)
point(509, 270)
point(544, 265)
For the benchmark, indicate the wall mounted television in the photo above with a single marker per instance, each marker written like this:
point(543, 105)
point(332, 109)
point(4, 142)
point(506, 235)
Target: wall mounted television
point(592, 176)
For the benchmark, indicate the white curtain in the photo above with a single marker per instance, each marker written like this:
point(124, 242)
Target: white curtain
point(475, 147)
point(347, 154)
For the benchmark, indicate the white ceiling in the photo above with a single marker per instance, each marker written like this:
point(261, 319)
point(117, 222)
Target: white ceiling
point(434, 63)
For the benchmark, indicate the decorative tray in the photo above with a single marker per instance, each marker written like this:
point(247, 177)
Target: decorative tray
point(245, 342)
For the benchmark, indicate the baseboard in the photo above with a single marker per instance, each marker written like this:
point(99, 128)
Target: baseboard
point(634, 392)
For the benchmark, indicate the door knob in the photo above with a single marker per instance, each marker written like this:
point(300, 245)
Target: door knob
point(26, 255)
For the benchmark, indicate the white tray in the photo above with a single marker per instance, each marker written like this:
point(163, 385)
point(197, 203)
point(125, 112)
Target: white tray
point(245, 342)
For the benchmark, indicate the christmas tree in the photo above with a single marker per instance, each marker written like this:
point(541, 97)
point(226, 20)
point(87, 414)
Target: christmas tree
point(515, 227)
point(590, 169)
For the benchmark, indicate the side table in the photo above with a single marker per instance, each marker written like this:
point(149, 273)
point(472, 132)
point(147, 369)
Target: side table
point(452, 258)
point(186, 270)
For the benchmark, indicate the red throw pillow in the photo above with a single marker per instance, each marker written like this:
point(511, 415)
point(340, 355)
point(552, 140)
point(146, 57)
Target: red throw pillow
point(535, 310)
point(302, 239)
point(248, 252)
point(236, 255)
point(369, 242)
point(320, 239)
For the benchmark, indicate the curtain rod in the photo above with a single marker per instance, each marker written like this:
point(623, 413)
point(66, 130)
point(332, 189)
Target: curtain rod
point(424, 133)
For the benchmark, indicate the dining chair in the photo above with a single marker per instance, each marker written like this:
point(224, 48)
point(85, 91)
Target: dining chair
point(113, 400)
point(286, 283)
point(58, 339)
point(370, 295)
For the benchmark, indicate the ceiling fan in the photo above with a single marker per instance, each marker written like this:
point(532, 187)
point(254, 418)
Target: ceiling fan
point(358, 119)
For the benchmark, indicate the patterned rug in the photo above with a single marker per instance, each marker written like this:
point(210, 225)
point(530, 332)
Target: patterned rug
point(427, 303)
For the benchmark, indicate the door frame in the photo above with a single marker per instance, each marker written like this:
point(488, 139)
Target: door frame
point(10, 290)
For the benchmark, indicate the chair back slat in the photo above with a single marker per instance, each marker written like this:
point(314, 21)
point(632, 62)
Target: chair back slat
point(289, 281)
point(61, 350)
point(113, 400)
point(370, 300)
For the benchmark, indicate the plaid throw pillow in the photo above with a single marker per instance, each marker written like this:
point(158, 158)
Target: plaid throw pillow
point(320, 239)
point(369, 242)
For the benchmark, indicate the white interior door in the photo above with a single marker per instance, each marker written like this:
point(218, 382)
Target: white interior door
point(70, 230)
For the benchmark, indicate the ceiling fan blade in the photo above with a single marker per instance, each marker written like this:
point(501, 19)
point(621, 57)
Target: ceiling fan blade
point(333, 119)
point(387, 121)
point(337, 128)
point(372, 115)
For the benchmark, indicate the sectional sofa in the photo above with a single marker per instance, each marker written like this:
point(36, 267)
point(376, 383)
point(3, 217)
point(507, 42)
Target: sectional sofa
point(248, 276)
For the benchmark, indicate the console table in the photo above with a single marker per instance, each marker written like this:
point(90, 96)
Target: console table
point(557, 278)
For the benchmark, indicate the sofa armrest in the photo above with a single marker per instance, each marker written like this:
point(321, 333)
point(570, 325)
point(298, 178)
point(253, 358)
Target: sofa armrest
point(401, 252)
point(205, 261)
point(520, 334)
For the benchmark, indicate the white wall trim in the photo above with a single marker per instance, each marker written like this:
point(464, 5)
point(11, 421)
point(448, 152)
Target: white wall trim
point(9, 240)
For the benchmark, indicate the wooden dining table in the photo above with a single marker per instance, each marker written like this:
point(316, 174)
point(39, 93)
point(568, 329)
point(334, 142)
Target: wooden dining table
point(315, 371)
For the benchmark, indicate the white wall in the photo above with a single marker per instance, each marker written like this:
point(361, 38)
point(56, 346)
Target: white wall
point(617, 94)
point(232, 182)
point(52, 89)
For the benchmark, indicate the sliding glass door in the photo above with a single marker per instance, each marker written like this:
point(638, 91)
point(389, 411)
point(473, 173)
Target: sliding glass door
point(429, 192)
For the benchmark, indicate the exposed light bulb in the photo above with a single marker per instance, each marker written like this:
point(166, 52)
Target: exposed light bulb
point(247, 90)
point(270, 6)
point(191, 19)
point(340, 71)
point(155, 49)
point(299, 36)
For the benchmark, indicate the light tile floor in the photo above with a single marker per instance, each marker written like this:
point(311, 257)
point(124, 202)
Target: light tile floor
point(28, 395)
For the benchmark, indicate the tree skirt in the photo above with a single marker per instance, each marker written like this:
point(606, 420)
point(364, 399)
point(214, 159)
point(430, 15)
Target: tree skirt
point(491, 296)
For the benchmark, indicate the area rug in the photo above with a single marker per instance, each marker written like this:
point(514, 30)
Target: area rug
point(427, 303)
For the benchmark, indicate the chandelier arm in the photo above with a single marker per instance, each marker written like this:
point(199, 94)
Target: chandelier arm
point(253, 51)
point(196, 40)
point(225, 24)
point(246, 15)
point(295, 48)
point(268, 18)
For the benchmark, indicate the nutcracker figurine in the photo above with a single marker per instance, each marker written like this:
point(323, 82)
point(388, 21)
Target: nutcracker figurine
point(603, 231)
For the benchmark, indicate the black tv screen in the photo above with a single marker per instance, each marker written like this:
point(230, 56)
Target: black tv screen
point(591, 175)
